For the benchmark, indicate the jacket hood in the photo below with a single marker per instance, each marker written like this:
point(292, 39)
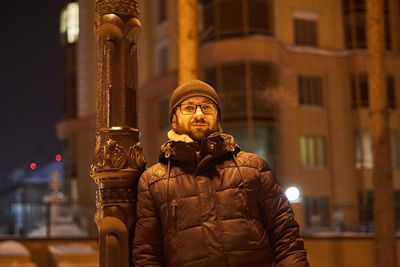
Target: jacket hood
point(191, 155)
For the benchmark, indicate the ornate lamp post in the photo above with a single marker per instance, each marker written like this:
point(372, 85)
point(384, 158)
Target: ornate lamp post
point(118, 159)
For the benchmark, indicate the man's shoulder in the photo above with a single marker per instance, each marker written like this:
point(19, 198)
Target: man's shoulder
point(248, 159)
point(154, 172)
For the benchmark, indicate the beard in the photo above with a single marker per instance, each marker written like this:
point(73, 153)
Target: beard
point(197, 133)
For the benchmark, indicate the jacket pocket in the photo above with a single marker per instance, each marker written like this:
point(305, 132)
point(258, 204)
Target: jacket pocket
point(174, 205)
point(250, 221)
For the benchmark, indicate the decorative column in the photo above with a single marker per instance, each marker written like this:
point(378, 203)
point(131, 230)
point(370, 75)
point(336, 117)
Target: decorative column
point(118, 159)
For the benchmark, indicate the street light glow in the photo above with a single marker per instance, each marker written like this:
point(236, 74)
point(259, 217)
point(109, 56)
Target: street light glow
point(293, 194)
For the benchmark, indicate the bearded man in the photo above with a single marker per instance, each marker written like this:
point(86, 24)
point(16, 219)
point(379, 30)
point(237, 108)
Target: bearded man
point(206, 203)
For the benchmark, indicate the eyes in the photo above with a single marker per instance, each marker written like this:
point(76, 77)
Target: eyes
point(206, 108)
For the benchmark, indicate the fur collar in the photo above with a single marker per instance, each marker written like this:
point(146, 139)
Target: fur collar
point(226, 143)
point(173, 136)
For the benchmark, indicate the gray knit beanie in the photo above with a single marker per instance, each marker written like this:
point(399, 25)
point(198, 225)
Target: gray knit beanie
point(193, 88)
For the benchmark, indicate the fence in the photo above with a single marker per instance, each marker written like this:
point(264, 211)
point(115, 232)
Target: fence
point(47, 220)
point(341, 219)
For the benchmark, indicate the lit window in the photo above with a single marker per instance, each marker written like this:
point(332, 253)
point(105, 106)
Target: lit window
point(305, 32)
point(363, 149)
point(69, 24)
point(310, 90)
point(312, 151)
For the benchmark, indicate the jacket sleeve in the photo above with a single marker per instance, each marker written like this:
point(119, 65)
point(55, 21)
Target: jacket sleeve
point(148, 240)
point(278, 219)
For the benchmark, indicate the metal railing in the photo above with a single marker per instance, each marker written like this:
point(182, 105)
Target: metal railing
point(340, 219)
point(75, 220)
point(47, 220)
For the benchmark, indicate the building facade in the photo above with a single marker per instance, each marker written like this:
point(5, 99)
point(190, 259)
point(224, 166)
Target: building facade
point(292, 75)
point(77, 128)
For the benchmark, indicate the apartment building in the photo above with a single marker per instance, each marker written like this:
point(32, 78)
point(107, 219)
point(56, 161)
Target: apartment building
point(292, 75)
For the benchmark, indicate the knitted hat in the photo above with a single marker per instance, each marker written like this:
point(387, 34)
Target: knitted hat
point(193, 88)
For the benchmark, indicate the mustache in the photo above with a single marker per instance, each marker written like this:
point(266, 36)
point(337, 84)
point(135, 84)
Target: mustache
point(199, 120)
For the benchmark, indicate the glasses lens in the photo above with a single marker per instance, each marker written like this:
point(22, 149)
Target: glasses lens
point(208, 108)
point(188, 109)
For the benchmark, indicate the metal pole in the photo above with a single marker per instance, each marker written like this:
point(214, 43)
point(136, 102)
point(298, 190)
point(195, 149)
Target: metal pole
point(118, 159)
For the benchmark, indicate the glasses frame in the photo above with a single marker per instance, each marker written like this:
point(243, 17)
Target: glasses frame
point(201, 108)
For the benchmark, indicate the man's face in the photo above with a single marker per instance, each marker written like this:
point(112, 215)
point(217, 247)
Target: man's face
point(197, 125)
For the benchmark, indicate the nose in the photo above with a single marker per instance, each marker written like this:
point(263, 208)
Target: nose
point(198, 111)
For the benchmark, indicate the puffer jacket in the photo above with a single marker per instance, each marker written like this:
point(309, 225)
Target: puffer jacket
point(217, 207)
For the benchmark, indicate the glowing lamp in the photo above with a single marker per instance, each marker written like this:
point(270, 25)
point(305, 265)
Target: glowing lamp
point(293, 194)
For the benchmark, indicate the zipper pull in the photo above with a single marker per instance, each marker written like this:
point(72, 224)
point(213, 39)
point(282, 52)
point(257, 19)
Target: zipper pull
point(241, 196)
point(174, 204)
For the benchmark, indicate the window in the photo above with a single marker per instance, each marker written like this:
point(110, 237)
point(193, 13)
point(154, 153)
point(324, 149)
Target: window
point(310, 90)
point(360, 91)
point(354, 16)
point(246, 17)
point(369, 209)
point(305, 32)
point(246, 111)
point(391, 93)
point(363, 153)
point(163, 62)
point(395, 148)
point(263, 140)
point(263, 143)
point(161, 11)
point(312, 151)
point(363, 149)
point(260, 20)
point(163, 109)
point(316, 213)
point(69, 23)
point(232, 80)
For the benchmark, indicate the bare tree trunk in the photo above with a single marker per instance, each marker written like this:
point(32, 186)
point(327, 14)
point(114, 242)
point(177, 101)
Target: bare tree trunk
point(118, 158)
point(188, 39)
point(385, 240)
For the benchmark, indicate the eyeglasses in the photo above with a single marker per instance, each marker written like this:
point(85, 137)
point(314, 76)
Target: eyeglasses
point(206, 108)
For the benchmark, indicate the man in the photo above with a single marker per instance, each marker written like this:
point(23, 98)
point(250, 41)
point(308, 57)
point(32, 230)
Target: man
point(206, 203)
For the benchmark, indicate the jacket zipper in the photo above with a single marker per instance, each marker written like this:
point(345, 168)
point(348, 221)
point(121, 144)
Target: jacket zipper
point(241, 196)
point(174, 204)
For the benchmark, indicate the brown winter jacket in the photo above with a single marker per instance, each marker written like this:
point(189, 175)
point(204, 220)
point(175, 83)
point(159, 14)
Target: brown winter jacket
point(218, 207)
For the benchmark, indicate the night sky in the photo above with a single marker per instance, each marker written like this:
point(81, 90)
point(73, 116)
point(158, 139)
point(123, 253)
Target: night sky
point(31, 82)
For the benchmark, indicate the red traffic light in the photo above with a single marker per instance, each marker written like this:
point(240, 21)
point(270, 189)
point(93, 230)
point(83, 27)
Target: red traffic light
point(33, 166)
point(58, 157)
